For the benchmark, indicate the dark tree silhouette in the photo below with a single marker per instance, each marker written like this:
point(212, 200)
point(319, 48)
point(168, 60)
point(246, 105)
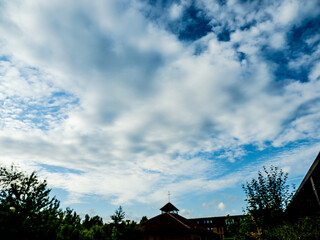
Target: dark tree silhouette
point(267, 197)
point(143, 219)
point(91, 221)
point(26, 209)
point(118, 216)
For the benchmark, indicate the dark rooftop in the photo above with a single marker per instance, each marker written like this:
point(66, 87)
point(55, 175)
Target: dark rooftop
point(169, 207)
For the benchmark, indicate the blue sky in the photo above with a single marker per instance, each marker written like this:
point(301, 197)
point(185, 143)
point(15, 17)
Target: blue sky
point(119, 102)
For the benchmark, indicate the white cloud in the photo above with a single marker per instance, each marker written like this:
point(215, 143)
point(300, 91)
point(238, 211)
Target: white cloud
point(278, 40)
point(315, 73)
point(222, 206)
point(138, 106)
point(292, 12)
point(175, 11)
point(235, 212)
point(186, 213)
point(288, 11)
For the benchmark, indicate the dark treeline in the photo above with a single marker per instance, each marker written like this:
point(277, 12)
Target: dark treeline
point(27, 212)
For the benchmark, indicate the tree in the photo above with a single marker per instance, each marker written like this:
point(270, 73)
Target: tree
point(69, 225)
point(26, 209)
point(267, 197)
point(91, 221)
point(143, 219)
point(118, 216)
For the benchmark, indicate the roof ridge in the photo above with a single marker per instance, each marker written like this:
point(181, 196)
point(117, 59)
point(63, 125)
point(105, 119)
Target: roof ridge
point(170, 214)
point(308, 174)
point(169, 207)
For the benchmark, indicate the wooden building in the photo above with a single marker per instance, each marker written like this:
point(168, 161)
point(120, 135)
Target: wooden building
point(306, 201)
point(169, 225)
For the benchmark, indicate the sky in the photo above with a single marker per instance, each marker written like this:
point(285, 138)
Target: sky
point(119, 102)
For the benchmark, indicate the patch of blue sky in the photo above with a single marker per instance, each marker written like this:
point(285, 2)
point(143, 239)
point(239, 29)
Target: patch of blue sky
point(304, 109)
point(252, 161)
point(248, 25)
point(257, 154)
point(299, 34)
point(4, 58)
point(251, 154)
point(190, 26)
point(241, 56)
point(83, 203)
point(28, 73)
point(151, 171)
point(60, 195)
point(270, 152)
point(203, 155)
point(199, 48)
point(222, 2)
point(38, 115)
point(41, 113)
point(137, 209)
point(161, 3)
point(224, 35)
point(220, 161)
point(61, 94)
point(58, 169)
point(104, 207)
point(207, 156)
point(209, 204)
point(194, 24)
point(272, 155)
point(283, 71)
point(296, 48)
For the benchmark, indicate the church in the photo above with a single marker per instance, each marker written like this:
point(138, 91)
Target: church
point(169, 225)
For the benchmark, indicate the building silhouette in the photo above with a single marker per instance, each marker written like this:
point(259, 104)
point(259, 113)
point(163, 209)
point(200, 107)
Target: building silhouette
point(306, 202)
point(169, 225)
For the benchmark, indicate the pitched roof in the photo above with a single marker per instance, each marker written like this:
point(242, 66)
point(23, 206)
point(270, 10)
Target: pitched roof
point(169, 207)
point(171, 222)
point(314, 167)
point(306, 200)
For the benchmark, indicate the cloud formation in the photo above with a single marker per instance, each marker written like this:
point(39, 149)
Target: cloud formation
point(136, 98)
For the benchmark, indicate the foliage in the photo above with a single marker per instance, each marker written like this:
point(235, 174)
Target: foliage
point(143, 219)
point(118, 216)
point(92, 221)
point(26, 209)
point(69, 225)
point(304, 229)
point(267, 197)
point(96, 232)
point(116, 235)
point(245, 228)
point(124, 230)
point(28, 212)
point(131, 231)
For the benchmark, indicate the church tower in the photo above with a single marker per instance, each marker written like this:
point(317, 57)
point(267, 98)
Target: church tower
point(169, 208)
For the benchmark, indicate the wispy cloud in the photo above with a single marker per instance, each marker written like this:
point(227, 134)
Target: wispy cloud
point(135, 100)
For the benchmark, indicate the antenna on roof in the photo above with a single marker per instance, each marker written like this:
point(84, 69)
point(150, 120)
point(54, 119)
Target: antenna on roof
point(169, 195)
